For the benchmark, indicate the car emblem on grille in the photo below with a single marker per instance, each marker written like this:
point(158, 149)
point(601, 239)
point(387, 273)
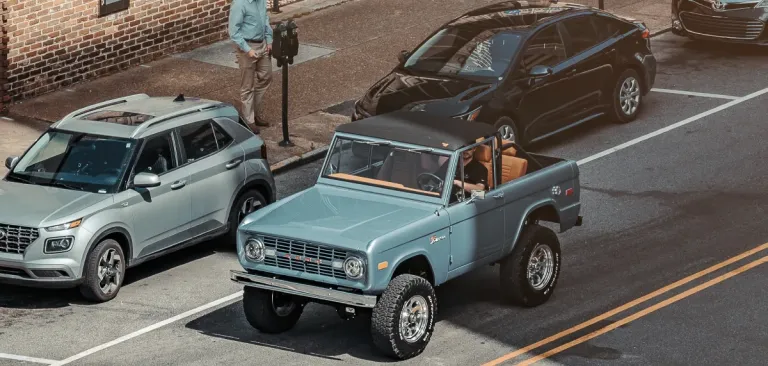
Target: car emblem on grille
point(718, 5)
point(2, 234)
point(303, 259)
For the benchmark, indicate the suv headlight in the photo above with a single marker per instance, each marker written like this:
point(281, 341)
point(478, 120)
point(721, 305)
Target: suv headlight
point(469, 116)
point(354, 267)
point(254, 249)
point(58, 245)
point(67, 226)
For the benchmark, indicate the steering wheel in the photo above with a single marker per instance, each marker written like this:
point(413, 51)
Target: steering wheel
point(429, 182)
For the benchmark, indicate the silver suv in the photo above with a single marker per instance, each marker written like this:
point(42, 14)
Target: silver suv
point(124, 181)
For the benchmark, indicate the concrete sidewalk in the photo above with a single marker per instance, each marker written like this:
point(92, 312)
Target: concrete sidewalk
point(344, 50)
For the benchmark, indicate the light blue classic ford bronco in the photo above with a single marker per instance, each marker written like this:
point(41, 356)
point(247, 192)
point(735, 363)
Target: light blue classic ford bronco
point(378, 231)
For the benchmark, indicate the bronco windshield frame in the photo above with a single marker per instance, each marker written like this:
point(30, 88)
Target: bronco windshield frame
point(385, 186)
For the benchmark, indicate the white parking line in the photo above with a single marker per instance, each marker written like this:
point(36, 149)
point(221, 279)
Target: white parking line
point(672, 127)
point(696, 94)
point(148, 329)
point(9, 356)
point(240, 293)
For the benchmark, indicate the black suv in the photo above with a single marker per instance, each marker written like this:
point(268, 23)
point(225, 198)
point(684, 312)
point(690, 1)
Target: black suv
point(530, 70)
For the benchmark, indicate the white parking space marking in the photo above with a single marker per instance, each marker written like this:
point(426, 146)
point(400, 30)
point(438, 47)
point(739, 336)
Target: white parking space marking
point(8, 356)
point(672, 127)
point(240, 293)
point(150, 328)
point(695, 94)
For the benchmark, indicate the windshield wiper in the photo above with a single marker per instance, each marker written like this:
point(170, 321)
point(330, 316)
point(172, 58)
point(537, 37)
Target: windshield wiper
point(384, 143)
point(420, 149)
point(64, 185)
point(20, 179)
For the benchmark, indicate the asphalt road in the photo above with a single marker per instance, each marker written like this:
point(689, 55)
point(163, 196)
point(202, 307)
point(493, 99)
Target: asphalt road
point(666, 208)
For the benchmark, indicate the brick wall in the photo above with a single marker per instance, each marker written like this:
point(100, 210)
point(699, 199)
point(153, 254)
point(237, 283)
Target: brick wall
point(5, 97)
point(55, 43)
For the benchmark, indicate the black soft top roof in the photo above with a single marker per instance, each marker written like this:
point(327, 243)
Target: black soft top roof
point(420, 128)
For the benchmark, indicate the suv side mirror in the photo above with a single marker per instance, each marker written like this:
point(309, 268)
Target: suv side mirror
point(11, 162)
point(402, 56)
point(146, 180)
point(540, 71)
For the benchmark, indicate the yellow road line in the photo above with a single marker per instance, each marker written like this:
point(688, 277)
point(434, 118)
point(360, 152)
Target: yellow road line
point(647, 311)
point(626, 306)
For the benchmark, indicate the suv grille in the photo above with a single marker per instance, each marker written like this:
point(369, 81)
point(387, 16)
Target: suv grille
point(305, 257)
point(734, 28)
point(16, 239)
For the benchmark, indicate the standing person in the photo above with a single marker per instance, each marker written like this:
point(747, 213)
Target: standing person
point(250, 31)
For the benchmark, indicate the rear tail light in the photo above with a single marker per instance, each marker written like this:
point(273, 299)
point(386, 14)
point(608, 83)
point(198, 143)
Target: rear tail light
point(646, 33)
point(264, 151)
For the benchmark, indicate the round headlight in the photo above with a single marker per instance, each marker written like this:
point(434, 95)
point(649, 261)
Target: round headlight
point(354, 267)
point(254, 249)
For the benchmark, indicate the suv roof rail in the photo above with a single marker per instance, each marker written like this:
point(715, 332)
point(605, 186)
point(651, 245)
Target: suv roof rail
point(96, 106)
point(159, 119)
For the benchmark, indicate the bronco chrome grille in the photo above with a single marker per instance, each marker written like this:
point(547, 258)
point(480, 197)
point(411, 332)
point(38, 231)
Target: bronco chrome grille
point(16, 239)
point(305, 257)
point(734, 28)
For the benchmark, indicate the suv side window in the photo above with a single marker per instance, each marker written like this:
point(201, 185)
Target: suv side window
point(609, 27)
point(202, 139)
point(475, 170)
point(157, 155)
point(545, 48)
point(582, 33)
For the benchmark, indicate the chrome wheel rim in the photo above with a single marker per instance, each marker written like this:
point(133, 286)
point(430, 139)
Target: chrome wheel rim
point(540, 266)
point(507, 133)
point(629, 95)
point(249, 206)
point(110, 266)
point(413, 319)
point(283, 305)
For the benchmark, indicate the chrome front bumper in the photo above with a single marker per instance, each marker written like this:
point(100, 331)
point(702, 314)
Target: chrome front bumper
point(309, 291)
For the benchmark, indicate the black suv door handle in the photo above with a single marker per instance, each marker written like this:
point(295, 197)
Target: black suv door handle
point(233, 163)
point(570, 72)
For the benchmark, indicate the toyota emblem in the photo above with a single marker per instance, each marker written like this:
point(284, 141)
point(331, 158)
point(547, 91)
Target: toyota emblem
point(2, 234)
point(718, 5)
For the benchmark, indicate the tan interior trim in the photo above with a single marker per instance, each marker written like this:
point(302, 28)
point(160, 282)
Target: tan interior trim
point(379, 182)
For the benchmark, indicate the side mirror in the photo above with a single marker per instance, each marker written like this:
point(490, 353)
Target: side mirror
point(146, 180)
point(540, 71)
point(402, 56)
point(11, 162)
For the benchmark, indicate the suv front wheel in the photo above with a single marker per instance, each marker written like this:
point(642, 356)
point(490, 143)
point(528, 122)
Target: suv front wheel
point(104, 271)
point(271, 312)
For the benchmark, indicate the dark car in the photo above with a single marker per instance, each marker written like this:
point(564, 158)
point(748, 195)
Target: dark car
point(737, 21)
point(529, 69)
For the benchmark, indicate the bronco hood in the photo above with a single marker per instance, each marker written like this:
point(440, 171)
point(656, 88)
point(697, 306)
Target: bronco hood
point(336, 217)
point(35, 205)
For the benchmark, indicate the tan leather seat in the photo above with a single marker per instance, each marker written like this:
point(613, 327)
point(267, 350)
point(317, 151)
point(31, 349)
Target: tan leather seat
point(510, 151)
point(484, 155)
point(512, 168)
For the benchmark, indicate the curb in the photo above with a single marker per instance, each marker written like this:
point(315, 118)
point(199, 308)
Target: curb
point(300, 11)
point(297, 161)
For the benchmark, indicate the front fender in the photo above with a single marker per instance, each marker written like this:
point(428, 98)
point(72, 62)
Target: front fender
point(115, 227)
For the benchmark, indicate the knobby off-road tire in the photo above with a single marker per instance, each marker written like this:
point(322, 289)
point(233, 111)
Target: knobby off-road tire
point(266, 316)
point(104, 272)
point(537, 250)
point(390, 330)
point(629, 86)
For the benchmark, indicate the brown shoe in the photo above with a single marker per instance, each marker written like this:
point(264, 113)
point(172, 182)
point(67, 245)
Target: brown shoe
point(261, 122)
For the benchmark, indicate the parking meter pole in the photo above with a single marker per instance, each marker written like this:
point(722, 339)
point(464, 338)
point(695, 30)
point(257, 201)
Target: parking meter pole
point(276, 6)
point(286, 141)
point(601, 5)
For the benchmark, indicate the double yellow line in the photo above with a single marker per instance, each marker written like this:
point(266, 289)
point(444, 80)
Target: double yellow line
point(633, 303)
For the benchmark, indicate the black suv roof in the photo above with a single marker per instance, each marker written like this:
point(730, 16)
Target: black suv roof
point(519, 15)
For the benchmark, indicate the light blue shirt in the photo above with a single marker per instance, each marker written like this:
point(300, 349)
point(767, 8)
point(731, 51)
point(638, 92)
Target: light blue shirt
point(248, 19)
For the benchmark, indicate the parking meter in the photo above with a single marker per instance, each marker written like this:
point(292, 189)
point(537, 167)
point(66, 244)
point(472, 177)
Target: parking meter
point(278, 43)
point(285, 45)
point(292, 41)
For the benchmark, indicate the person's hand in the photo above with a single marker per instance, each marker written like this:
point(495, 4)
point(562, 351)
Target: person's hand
point(269, 49)
point(252, 53)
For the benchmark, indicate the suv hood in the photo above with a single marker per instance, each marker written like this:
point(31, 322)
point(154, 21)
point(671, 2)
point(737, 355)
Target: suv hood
point(34, 205)
point(337, 217)
point(399, 90)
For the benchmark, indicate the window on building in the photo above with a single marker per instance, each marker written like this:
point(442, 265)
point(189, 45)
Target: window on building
point(107, 7)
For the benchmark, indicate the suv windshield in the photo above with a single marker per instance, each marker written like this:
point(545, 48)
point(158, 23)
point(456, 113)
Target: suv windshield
point(73, 160)
point(386, 165)
point(465, 51)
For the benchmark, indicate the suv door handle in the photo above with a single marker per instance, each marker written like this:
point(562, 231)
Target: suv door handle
point(570, 72)
point(233, 163)
point(178, 184)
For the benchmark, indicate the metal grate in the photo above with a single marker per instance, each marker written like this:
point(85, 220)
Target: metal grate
point(16, 239)
point(304, 257)
point(734, 28)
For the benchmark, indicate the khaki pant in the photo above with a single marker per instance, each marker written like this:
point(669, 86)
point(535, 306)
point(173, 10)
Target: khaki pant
point(255, 78)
